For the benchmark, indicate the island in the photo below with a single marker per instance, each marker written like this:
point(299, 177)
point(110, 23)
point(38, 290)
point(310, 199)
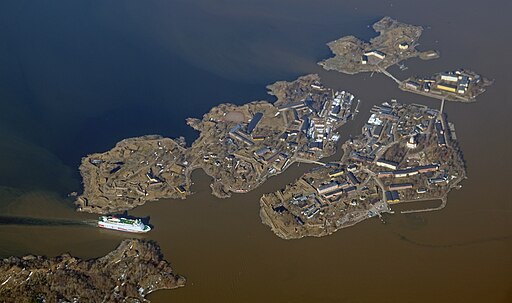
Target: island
point(239, 146)
point(395, 43)
point(136, 170)
point(458, 85)
point(405, 153)
point(127, 274)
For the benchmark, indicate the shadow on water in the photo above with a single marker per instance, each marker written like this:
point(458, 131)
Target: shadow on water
point(8, 220)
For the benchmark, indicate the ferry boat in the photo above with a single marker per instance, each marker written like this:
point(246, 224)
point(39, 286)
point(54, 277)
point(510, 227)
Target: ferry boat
point(123, 224)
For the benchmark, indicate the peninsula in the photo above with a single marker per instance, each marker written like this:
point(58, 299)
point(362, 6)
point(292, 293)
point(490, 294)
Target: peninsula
point(405, 153)
point(239, 146)
point(395, 43)
point(127, 274)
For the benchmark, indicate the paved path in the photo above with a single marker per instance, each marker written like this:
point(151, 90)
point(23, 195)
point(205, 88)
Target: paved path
point(308, 161)
point(385, 72)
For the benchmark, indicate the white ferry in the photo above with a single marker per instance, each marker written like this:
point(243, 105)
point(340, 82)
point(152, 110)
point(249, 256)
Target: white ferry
point(123, 224)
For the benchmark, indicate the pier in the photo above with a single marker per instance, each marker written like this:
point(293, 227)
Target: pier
point(385, 72)
point(443, 205)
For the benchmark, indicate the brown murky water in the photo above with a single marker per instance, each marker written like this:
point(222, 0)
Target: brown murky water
point(460, 254)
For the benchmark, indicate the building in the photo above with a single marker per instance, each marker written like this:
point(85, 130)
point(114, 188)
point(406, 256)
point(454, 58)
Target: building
point(438, 180)
point(392, 196)
point(336, 173)
point(361, 158)
point(352, 167)
point(464, 81)
point(449, 78)
point(317, 146)
point(405, 173)
point(441, 140)
point(254, 122)
point(377, 131)
point(334, 193)
point(353, 178)
point(364, 59)
point(375, 53)
point(181, 189)
point(412, 85)
point(447, 88)
point(427, 168)
point(385, 174)
point(403, 46)
point(258, 138)
point(238, 136)
point(262, 151)
point(350, 190)
point(326, 188)
point(400, 186)
point(387, 164)
point(412, 143)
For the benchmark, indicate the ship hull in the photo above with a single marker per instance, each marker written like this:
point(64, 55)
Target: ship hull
point(128, 229)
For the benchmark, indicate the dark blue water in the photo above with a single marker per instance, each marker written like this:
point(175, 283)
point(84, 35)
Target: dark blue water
point(78, 76)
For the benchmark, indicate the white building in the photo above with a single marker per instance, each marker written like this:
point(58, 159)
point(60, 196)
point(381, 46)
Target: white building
point(412, 143)
point(449, 78)
point(403, 46)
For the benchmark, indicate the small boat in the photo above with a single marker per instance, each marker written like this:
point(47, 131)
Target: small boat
point(123, 224)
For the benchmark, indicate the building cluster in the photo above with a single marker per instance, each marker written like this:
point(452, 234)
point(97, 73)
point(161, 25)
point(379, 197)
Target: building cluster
point(455, 82)
point(385, 126)
point(327, 194)
point(395, 159)
point(301, 126)
point(316, 120)
point(408, 172)
point(135, 170)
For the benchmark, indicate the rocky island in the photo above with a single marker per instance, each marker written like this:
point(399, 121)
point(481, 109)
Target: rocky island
point(127, 274)
point(239, 146)
point(395, 43)
point(405, 153)
point(132, 173)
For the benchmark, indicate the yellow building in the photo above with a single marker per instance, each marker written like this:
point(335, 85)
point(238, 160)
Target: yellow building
point(447, 88)
point(181, 189)
point(336, 173)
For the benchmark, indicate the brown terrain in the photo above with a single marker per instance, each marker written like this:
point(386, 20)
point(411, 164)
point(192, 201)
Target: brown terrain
point(396, 42)
point(127, 274)
point(239, 146)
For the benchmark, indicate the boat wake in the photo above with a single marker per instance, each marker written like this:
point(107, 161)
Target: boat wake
point(29, 221)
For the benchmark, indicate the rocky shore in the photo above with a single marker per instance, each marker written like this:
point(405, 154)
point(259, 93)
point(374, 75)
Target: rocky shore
point(127, 274)
point(395, 43)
